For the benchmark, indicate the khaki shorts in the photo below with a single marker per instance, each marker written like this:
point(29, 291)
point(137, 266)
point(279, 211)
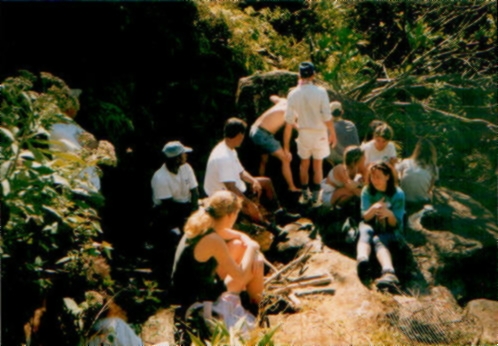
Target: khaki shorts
point(312, 143)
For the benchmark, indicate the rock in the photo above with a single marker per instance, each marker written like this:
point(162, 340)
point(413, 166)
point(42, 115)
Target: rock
point(300, 235)
point(160, 327)
point(456, 245)
point(487, 313)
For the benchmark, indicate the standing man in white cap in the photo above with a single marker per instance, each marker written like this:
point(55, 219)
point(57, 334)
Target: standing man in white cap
point(308, 105)
point(174, 188)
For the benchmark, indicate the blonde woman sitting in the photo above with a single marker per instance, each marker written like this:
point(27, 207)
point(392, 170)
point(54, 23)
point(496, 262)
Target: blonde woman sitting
point(344, 180)
point(212, 253)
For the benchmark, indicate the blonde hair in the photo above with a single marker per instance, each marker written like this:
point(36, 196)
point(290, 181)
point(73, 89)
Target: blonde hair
point(220, 204)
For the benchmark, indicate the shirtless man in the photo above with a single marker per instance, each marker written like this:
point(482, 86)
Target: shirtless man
point(263, 135)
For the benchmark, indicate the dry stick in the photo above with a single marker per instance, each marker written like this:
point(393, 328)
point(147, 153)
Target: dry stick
point(300, 259)
point(270, 265)
point(295, 300)
point(315, 291)
point(316, 282)
point(306, 278)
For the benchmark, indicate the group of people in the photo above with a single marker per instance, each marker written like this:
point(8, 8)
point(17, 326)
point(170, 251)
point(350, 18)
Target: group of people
point(212, 254)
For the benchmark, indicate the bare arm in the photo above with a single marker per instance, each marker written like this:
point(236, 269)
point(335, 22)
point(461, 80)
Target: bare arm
point(287, 137)
point(248, 206)
point(214, 246)
point(342, 175)
point(332, 136)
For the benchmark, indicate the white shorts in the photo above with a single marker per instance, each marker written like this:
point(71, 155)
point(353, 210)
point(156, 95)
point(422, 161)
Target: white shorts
point(313, 143)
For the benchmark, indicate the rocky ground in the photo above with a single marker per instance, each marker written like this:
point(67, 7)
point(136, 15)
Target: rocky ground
point(426, 308)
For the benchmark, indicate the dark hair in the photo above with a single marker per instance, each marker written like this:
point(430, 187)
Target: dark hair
point(352, 154)
point(387, 170)
point(371, 129)
point(385, 131)
point(233, 127)
point(306, 69)
point(425, 154)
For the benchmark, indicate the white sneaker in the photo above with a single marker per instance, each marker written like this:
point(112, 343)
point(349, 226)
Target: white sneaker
point(229, 307)
point(305, 197)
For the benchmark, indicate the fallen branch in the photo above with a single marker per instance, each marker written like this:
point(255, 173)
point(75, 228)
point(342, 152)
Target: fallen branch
point(303, 258)
point(270, 265)
point(316, 282)
point(295, 300)
point(306, 278)
point(314, 291)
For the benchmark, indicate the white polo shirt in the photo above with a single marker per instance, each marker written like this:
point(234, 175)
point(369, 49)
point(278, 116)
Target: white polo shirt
point(223, 166)
point(308, 104)
point(176, 186)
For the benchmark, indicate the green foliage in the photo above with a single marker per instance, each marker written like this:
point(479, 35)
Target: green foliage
point(221, 335)
point(48, 209)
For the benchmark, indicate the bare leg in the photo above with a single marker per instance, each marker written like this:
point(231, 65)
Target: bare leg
point(286, 168)
point(317, 171)
point(236, 249)
point(341, 196)
point(268, 189)
point(256, 285)
point(363, 251)
point(363, 248)
point(384, 256)
point(304, 171)
point(262, 164)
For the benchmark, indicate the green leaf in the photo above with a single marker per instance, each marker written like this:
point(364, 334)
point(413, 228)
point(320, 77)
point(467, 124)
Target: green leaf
point(58, 180)
point(65, 259)
point(195, 340)
point(5, 187)
point(7, 133)
point(267, 338)
point(71, 305)
point(53, 211)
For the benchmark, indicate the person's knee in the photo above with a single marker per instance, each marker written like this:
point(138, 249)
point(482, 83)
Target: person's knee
point(236, 248)
point(379, 244)
point(234, 285)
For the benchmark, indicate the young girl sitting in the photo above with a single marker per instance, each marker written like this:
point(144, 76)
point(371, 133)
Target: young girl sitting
point(340, 184)
point(210, 251)
point(418, 173)
point(382, 209)
point(381, 147)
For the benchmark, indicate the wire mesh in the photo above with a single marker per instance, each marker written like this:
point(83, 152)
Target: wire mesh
point(435, 323)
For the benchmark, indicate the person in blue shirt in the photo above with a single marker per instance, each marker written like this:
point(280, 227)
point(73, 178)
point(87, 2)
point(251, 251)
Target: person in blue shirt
point(382, 210)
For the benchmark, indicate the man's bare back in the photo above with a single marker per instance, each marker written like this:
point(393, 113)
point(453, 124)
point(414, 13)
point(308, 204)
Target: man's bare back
point(273, 119)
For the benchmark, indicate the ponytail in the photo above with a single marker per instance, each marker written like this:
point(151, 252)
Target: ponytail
point(198, 223)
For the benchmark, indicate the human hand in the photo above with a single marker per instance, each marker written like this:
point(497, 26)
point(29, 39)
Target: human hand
point(332, 140)
point(379, 204)
point(383, 213)
point(288, 155)
point(351, 185)
point(256, 187)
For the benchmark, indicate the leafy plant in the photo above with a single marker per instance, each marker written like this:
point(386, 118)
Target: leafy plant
point(48, 218)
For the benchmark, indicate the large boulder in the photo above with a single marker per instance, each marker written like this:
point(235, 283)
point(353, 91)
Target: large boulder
point(487, 313)
point(455, 245)
point(253, 95)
